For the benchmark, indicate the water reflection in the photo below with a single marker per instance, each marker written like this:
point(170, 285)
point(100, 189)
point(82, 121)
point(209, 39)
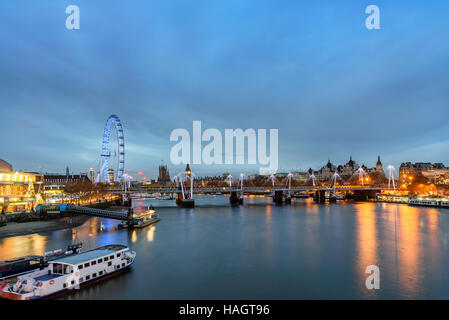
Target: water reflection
point(20, 246)
point(409, 248)
point(134, 236)
point(367, 243)
point(150, 233)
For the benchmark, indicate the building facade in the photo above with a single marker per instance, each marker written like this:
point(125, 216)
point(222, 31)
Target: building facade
point(17, 189)
point(432, 171)
point(53, 184)
point(345, 171)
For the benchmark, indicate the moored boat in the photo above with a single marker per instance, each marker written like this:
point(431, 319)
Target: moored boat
point(141, 220)
point(70, 273)
point(424, 202)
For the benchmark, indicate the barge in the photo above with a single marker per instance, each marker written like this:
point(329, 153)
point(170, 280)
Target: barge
point(10, 269)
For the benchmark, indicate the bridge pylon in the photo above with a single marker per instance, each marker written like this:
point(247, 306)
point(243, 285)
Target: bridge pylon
point(185, 198)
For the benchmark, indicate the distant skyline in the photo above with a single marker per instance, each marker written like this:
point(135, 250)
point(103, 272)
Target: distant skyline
point(311, 70)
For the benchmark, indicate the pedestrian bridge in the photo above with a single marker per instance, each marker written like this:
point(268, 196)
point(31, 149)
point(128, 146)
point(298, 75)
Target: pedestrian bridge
point(168, 190)
point(70, 208)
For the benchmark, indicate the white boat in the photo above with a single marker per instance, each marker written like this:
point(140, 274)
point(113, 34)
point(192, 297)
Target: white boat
point(424, 203)
point(69, 273)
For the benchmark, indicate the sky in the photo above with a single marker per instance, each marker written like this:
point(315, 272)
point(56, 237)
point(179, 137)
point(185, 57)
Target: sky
point(310, 69)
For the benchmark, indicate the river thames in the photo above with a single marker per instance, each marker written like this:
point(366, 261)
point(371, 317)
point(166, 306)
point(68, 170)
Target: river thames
point(264, 251)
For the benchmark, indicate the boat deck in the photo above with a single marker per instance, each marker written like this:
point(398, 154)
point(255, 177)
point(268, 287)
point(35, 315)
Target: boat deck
point(47, 277)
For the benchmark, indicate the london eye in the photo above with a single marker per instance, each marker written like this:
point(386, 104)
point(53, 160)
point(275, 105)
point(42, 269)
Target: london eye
point(112, 154)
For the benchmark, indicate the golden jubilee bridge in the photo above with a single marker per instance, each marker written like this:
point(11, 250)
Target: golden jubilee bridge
point(280, 194)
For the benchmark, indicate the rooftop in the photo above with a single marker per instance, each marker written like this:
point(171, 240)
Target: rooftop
point(91, 254)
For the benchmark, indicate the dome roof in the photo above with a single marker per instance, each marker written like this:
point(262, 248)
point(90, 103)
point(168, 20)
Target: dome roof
point(5, 166)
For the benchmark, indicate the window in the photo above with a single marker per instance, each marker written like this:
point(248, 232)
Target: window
point(57, 268)
point(118, 255)
point(86, 265)
point(73, 282)
point(94, 275)
point(117, 266)
point(100, 260)
point(123, 264)
point(94, 262)
point(111, 257)
point(100, 273)
point(80, 266)
point(64, 285)
point(106, 259)
point(87, 278)
point(109, 263)
point(81, 279)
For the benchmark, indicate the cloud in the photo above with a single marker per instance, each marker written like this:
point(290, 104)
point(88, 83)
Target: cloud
point(313, 71)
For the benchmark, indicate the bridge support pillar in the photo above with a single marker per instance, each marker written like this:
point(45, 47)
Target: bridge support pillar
point(332, 197)
point(130, 217)
point(185, 203)
point(235, 198)
point(278, 197)
point(320, 196)
point(179, 198)
point(364, 195)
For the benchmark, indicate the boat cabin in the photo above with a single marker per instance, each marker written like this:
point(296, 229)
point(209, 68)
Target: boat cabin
point(17, 266)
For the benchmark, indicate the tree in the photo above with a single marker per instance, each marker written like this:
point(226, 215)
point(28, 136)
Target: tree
point(30, 191)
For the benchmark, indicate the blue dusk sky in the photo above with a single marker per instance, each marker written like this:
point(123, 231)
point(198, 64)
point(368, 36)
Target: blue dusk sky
point(311, 69)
